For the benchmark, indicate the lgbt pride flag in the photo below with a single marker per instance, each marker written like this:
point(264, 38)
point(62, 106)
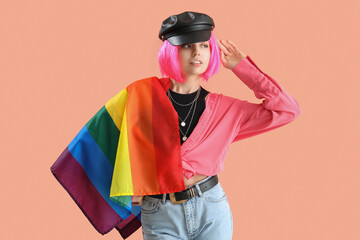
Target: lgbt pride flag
point(131, 146)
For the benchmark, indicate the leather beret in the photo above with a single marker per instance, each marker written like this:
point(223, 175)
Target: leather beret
point(186, 27)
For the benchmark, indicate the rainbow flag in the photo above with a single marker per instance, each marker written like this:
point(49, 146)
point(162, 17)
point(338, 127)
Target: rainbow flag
point(131, 146)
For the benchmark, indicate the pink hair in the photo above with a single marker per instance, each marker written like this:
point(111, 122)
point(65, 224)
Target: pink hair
point(170, 66)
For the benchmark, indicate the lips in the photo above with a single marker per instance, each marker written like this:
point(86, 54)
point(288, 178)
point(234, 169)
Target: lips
point(192, 62)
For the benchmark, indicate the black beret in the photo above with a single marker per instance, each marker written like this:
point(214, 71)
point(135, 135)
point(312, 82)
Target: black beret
point(186, 27)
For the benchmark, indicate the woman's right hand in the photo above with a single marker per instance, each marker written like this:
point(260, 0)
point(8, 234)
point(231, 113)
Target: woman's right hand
point(137, 200)
point(230, 54)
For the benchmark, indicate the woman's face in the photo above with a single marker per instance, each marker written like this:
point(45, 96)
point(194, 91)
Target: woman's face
point(190, 52)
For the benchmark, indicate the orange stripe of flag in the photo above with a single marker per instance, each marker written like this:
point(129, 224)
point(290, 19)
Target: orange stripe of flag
point(139, 122)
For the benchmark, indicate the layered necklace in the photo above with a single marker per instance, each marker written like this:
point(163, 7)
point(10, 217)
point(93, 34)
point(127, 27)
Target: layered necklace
point(193, 103)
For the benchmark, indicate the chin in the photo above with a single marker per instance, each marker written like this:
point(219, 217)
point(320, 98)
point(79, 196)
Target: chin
point(198, 72)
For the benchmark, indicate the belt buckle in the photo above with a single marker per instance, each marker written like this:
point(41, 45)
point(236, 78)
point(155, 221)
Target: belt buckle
point(173, 198)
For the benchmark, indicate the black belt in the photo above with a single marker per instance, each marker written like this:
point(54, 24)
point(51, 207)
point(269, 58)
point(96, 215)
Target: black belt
point(183, 196)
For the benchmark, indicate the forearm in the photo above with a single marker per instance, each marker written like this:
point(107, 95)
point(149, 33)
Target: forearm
point(277, 109)
point(264, 86)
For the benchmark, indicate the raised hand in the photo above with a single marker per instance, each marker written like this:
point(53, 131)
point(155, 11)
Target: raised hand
point(230, 55)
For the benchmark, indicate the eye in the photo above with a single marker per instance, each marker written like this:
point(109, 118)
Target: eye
point(189, 45)
point(186, 45)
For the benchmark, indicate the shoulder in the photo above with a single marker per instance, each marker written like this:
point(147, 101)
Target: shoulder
point(149, 82)
point(141, 82)
point(224, 99)
point(149, 86)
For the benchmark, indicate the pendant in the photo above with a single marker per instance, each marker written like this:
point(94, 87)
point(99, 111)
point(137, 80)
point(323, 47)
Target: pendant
point(183, 124)
point(184, 138)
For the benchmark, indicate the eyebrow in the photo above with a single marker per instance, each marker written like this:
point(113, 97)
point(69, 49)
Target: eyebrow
point(207, 42)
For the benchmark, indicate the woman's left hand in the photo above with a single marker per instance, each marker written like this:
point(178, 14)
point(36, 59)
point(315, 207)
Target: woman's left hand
point(137, 200)
point(230, 55)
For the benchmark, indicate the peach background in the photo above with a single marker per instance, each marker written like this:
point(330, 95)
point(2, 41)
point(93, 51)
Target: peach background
point(60, 61)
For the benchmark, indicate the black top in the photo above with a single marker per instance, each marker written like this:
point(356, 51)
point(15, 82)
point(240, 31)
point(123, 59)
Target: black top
point(184, 110)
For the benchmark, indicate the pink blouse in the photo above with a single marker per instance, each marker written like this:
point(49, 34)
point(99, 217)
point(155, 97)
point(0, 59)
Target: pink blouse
point(226, 120)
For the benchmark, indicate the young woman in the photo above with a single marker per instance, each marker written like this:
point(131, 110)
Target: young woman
point(150, 156)
point(189, 54)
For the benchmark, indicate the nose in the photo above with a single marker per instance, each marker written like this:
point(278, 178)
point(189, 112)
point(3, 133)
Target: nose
point(196, 50)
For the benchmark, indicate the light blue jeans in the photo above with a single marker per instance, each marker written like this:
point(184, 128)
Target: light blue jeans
point(204, 217)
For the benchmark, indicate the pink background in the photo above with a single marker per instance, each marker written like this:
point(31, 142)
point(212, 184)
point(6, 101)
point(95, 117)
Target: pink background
point(60, 61)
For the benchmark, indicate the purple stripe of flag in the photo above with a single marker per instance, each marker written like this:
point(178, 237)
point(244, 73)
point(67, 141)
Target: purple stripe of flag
point(129, 225)
point(73, 178)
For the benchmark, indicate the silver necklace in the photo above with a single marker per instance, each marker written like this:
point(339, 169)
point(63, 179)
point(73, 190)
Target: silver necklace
point(183, 121)
point(185, 137)
point(183, 124)
point(196, 97)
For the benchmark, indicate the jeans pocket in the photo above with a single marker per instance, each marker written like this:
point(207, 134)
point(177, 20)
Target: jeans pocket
point(150, 205)
point(215, 194)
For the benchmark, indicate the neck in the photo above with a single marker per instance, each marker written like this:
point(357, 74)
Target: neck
point(189, 86)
